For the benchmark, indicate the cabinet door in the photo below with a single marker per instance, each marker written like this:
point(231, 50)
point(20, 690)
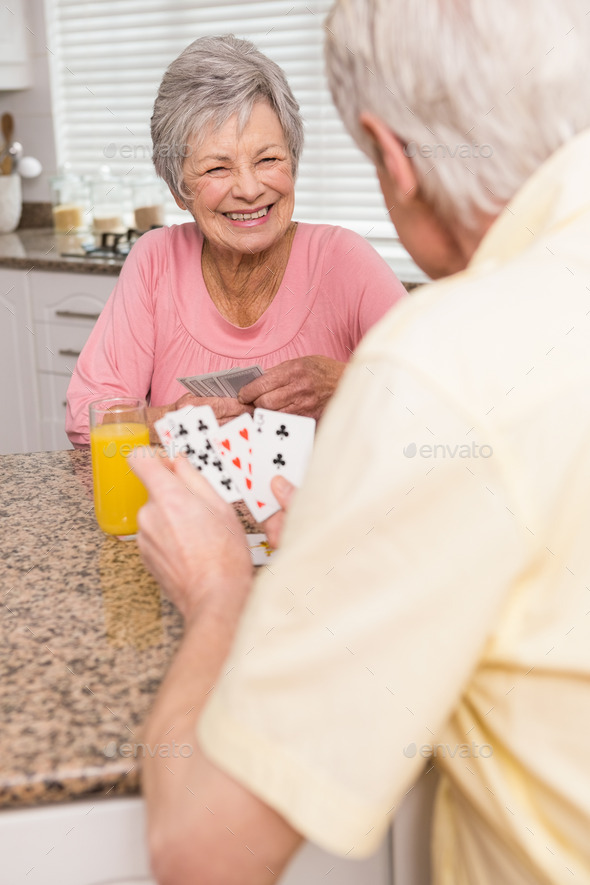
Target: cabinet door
point(19, 427)
point(14, 63)
point(73, 299)
point(65, 308)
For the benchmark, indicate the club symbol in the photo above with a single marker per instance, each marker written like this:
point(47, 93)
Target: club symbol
point(188, 449)
point(226, 483)
point(282, 431)
point(279, 461)
point(208, 446)
point(217, 464)
point(202, 425)
point(204, 457)
point(182, 431)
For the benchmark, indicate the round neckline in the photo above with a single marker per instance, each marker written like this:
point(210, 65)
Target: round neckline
point(212, 309)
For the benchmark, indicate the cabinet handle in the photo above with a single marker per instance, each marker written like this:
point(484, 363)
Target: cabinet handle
point(68, 352)
point(76, 315)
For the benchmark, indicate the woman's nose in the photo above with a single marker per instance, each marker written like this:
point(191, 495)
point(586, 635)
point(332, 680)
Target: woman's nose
point(247, 184)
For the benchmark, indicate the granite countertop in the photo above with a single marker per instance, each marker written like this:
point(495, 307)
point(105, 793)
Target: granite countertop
point(41, 249)
point(85, 639)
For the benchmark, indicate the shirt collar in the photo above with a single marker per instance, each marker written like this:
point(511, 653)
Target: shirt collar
point(554, 195)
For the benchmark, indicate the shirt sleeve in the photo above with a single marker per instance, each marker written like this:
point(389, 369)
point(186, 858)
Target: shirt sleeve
point(358, 640)
point(364, 285)
point(118, 357)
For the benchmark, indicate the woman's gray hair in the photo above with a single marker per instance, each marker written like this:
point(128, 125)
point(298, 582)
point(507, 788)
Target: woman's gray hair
point(479, 91)
point(210, 81)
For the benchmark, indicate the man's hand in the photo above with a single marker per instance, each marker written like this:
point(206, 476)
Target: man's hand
point(193, 543)
point(189, 538)
point(283, 491)
point(301, 386)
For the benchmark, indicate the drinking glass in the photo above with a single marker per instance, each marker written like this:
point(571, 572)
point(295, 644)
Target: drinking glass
point(117, 425)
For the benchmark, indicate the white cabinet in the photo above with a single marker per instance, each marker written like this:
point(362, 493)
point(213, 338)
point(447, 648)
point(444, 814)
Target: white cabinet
point(103, 843)
point(15, 70)
point(46, 318)
point(65, 308)
point(19, 427)
point(82, 843)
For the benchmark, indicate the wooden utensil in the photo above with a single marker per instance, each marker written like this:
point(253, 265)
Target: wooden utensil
point(7, 125)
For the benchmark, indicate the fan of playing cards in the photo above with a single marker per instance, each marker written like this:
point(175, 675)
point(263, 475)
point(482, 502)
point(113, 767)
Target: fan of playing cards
point(226, 383)
point(240, 458)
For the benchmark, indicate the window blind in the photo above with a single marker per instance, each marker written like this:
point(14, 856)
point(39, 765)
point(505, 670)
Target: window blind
point(108, 58)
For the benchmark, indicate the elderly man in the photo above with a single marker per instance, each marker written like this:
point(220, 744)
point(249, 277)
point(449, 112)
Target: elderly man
point(431, 595)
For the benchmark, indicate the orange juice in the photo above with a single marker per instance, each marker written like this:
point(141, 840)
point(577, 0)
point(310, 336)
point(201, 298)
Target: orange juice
point(118, 494)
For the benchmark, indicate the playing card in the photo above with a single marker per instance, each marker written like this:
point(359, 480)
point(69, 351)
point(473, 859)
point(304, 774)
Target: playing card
point(189, 431)
point(235, 379)
point(196, 386)
point(172, 431)
point(225, 383)
point(282, 445)
point(233, 442)
point(261, 551)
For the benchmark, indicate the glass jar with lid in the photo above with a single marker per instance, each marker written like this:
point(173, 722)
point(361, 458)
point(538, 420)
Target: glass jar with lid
point(111, 203)
point(148, 202)
point(70, 196)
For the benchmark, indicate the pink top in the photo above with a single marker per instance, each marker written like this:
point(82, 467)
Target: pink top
point(160, 323)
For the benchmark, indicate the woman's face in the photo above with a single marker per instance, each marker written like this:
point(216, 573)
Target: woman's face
point(243, 185)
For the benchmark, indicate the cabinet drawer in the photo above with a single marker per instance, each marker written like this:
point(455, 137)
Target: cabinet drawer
point(68, 298)
point(58, 346)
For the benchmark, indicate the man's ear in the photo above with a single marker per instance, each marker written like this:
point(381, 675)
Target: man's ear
point(392, 158)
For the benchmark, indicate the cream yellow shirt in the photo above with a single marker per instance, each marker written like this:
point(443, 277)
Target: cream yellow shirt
point(432, 595)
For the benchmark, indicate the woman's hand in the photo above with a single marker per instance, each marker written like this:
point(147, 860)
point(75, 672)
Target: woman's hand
point(301, 386)
point(225, 407)
point(189, 538)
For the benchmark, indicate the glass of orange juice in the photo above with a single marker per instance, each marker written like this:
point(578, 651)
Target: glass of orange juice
point(117, 425)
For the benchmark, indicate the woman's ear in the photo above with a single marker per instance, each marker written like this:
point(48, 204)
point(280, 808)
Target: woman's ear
point(178, 201)
point(392, 158)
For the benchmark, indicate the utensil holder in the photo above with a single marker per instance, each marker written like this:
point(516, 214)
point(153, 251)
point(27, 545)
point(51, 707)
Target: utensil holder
point(10, 202)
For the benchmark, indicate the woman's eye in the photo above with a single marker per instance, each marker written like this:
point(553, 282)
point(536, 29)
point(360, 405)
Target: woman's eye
point(216, 169)
point(268, 160)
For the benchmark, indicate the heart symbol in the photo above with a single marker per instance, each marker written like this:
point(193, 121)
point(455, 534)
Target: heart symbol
point(260, 503)
point(236, 461)
point(226, 444)
point(244, 433)
point(248, 483)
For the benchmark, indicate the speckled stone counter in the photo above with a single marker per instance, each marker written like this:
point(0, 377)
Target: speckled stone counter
point(85, 637)
point(41, 249)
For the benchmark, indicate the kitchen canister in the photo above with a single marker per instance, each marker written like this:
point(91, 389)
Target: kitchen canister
point(10, 202)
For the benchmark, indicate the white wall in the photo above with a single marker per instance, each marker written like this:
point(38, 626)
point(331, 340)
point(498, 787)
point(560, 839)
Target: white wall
point(31, 108)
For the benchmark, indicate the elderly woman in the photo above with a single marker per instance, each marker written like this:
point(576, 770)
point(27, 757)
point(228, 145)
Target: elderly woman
point(244, 284)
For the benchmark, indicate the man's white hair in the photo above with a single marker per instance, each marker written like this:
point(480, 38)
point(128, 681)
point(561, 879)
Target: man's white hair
point(480, 92)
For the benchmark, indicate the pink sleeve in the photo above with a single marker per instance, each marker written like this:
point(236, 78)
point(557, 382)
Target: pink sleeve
point(364, 282)
point(117, 359)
